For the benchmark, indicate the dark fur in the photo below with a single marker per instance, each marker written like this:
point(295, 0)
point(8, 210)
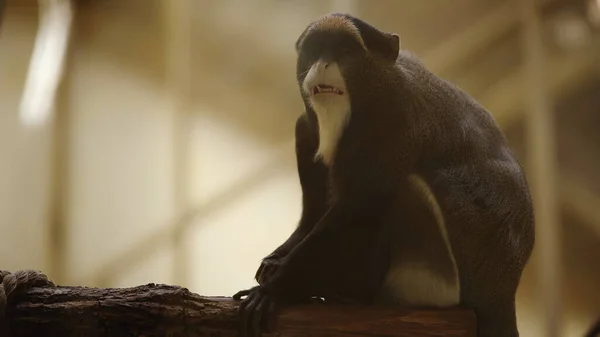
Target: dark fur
point(404, 120)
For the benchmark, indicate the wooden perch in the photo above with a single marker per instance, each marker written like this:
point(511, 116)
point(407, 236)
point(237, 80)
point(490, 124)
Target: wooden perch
point(161, 310)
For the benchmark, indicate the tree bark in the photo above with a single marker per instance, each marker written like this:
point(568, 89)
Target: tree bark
point(160, 310)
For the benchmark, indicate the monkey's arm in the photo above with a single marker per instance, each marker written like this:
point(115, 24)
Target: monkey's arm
point(343, 257)
point(346, 254)
point(313, 177)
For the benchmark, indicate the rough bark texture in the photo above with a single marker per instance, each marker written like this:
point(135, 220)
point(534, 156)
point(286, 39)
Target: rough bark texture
point(160, 310)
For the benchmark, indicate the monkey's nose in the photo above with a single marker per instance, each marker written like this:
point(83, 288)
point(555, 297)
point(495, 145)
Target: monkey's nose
point(322, 64)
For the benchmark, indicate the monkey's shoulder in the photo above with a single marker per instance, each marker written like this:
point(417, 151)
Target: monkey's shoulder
point(438, 103)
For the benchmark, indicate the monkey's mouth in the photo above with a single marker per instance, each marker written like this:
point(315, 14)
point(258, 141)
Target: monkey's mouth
point(326, 89)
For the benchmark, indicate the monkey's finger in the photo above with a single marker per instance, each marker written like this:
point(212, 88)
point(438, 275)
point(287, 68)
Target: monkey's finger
point(271, 312)
point(316, 300)
point(257, 315)
point(242, 307)
point(247, 310)
point(238, 296)
point(243, 313)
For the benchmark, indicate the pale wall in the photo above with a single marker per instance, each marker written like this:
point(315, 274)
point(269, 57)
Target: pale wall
point(122, 180)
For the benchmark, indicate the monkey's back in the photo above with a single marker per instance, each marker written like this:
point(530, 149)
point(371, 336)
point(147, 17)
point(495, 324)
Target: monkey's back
point(475, 177)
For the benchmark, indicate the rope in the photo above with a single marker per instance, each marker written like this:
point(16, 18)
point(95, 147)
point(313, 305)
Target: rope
point(15, 284)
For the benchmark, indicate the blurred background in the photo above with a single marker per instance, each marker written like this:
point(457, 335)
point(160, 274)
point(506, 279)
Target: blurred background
point(152, 141)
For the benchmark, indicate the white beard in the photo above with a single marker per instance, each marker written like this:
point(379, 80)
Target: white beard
point(333, 114)
point(332, 110)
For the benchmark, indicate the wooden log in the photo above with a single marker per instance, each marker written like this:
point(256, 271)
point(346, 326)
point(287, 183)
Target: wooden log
point(160, 310)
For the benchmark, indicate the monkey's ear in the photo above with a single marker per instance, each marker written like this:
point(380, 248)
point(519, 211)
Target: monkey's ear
point(394, 40)
point(386, 45)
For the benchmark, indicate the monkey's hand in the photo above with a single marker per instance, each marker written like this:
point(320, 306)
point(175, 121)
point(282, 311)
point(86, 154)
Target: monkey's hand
point(256, 310)
point(259, 307)
point(268, 267)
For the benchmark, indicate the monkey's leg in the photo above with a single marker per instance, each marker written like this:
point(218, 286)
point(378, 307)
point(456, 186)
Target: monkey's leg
point(494, 308)
point(343, 256)
point(313, 177)
point(423, 271)
point(489, 281)
point(346, 255)
point(490, 225)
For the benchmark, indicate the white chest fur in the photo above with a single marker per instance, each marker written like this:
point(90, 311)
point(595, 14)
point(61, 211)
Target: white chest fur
point(332, 110)
point(333, 114)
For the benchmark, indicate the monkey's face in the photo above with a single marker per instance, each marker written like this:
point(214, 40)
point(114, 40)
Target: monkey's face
point(323, 59)
point(334, 51)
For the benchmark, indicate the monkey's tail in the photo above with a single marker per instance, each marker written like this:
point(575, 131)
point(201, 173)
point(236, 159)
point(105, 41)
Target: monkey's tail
point(595, 330)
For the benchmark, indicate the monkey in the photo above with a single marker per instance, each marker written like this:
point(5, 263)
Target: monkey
point(411, 194)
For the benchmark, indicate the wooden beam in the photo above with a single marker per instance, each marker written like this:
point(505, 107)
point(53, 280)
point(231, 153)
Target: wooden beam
point(161, 310)
point(497, 22)
point(506, 99)
point(582, 202)
point(543, 169)
point(472, 39)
